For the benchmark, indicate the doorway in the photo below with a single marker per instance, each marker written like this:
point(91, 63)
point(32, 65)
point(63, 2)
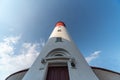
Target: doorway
point(57, 73)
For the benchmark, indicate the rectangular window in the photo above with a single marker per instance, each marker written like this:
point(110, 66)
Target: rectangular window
point(59, 30)
point(58, 39)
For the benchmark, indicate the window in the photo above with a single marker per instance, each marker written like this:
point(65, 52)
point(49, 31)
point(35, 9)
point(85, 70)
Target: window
point(59, 30)
point(58, 39)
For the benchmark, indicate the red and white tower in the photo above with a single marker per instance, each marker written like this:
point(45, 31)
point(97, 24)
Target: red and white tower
point(60, 59)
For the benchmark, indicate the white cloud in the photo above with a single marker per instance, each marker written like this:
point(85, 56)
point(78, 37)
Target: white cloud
point(6, 50)
point(93, 56)
point(7, 46)
point(12, 40)
point(11, 62)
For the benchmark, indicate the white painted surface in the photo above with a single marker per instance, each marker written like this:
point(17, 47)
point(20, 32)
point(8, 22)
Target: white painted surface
point(82, 71)
point(102, 74)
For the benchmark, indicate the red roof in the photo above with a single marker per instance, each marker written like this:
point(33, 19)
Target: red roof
point(60, 23)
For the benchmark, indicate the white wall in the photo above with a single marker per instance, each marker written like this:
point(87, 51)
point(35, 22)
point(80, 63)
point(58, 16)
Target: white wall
point(102, 74)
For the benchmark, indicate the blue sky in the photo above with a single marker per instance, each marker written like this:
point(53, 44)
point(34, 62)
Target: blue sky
point(25, 26)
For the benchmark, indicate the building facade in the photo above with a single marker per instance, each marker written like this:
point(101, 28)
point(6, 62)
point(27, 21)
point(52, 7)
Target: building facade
point(60, 59)
point(102, 74)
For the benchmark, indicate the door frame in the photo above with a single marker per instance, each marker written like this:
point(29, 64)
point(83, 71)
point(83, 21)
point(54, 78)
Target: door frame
point(55, 63)
point(58, 69)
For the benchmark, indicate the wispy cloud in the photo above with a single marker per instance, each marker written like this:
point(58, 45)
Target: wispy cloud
point(7, 46)
point(11, 62)
point(93, 56)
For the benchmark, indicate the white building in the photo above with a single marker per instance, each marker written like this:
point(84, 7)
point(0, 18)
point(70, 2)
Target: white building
point(60, 59)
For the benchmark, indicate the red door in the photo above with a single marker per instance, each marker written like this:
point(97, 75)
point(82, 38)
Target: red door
point(57, 73)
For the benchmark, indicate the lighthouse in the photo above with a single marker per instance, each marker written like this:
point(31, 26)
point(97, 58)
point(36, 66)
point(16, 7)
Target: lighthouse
point(60, 59)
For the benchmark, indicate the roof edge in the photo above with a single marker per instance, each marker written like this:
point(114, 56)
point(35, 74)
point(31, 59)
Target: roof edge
point(105, 70)
point(17, 72)
point(93, 67)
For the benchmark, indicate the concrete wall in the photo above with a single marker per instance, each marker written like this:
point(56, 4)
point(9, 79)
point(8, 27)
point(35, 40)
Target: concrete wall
point(17, 76)
point(40, 69)
point(104, 74)
point(81, 71)
point(101, 73)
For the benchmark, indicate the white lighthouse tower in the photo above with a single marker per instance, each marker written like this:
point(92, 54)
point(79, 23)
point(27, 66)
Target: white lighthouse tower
point(60, 59)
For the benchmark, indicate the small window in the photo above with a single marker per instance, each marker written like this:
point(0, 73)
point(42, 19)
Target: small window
point(58, 39)
point(59, 30)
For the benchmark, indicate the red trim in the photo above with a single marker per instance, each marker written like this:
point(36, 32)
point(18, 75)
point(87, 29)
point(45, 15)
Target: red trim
point(60, 23)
